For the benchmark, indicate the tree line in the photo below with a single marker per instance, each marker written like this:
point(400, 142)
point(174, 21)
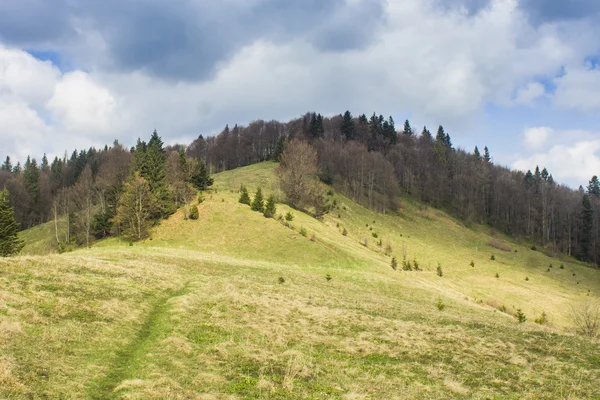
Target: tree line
point(367, 158)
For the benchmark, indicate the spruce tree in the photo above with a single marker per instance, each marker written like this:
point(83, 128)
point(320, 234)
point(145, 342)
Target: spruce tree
point(31, 179)
point(45, 166)
point(486, 155)
point(270, 208)
point(9, 231)
point(407, 129)
point(199, 176)
point(7, 166)
point(155, 173)
point(244, 197)
point(279, 147)
point(594, 187)
point(476, 154)
point(258, 204)
point(347, 126)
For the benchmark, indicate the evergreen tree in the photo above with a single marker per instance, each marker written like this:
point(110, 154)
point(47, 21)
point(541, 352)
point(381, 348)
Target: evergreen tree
point(441, 135)
point(194, 214)
point(258, 204)
point(594, 187)
point(407, 129)
point(426, 134)
point(154, 171)
point(587, 227)
point(17, 169)
point(347, 126)
point(389, 130)
point(486, 155)
point(279, 147)
point(270, 208)
point(244, 197)
point(476, 154)
point(45, 166)
point(199, 176)
point(31, 178)
point(9, 231)
point(7, 166)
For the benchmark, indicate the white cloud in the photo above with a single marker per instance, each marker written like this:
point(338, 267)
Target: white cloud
point(578, 88)
point(535, 138)
point(572, 163)
point(529, 94)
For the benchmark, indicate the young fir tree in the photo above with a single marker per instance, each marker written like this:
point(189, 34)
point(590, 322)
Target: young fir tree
point(258, 204)
point(476, 154)
point(270, 208)
point(486, 155)
point(155, 173)
point(7, 166)
point(194, 214)
point(199, 176)
point(244, 197)
point(594, 187)
point(31, 179)
point(407, 129)
point(279, 147)
point(9, 231)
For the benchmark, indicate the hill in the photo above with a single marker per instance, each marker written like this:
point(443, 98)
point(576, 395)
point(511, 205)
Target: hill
point(234, 305)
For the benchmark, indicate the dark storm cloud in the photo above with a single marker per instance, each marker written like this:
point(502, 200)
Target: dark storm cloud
point(186, 39)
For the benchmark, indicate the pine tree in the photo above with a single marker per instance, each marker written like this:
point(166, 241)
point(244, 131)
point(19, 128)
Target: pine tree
point(426, 134)
point(45, 166)
point(31, 178)
point(279, 147)
point(347, 126)
point(7, 166)
point(486, 155)
point(594, 187)
point(199, 176)
point(476, 154)
point(194, 214)
point(270, 208)
point(587, 227)
point(9, 231)
point(244, 197)
point(154, 171)
point(407, 129)
point(258, 204)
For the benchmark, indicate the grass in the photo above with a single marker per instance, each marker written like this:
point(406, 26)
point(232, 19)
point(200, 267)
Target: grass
point(200, 311)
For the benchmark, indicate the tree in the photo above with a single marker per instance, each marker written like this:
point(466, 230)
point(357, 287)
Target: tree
point(9, 230)
point(244, 197)
point(136, 207)
point(476, 154)
point(297, 168)
point(587, 227)
point(279, 148)
point(407, 129)
point(594, 187)
point(347, 126)
point(198, 175)
point(258, 204)
point(486, 155)
point(270, 208)
point(7, 166)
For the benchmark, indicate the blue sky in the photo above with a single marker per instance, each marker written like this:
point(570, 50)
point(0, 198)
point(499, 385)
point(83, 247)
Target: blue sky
point(520, 76)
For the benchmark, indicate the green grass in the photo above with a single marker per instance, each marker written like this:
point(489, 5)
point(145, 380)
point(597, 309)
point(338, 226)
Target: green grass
point(199, 310)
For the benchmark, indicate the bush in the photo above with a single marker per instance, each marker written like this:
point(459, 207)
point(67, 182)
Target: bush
point(497, 275)
point(586, 318)
point(562, 266)
point(526, 278)
point(200, 198)
point(472, 264)
point(328, 277)
point(440, 304)
point(281, 280)
point(416, 264)
point(493, 258)
point(406, 265)
point(374, 235)
point(313, 237)
point(388, 250)
point(550, 266)
point(542, 320)
point(534, 248)
point(345, 232)
point(303, 231)
point(380, 243)
point(289, 216)
point(439, 270)
point(394, 263)
point(194, 215)
point(521, 316)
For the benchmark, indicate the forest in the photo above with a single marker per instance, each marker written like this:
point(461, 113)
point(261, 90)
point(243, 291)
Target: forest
point(92, 193)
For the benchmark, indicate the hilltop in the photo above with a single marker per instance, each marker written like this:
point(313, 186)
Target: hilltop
point(235, 305)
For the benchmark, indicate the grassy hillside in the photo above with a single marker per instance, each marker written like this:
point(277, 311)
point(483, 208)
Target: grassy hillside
point(238, 306)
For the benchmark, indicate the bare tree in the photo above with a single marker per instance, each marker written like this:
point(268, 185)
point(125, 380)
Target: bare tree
point(297, 169)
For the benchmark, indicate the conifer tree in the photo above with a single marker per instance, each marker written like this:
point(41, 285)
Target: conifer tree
point(45, 166)
point(258, 204)
point(244, 197)
point(407, 129)
point(199, 176)
point(153, 169)
point(7, 166)
point(270, 208)
point(9, 231)
point(347, 126)
point(426, 134)
point(486, 155)
point(31, 178)
point(279, 147)
point(594, 187)
point(476, 154)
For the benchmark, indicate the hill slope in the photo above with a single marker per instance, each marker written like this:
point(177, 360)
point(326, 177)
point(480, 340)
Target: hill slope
point(200, 310)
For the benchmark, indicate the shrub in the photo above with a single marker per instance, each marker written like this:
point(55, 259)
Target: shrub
point(521, 316)
point(440, 304)
point(194, 215)
point(200, 198)
point(472, 264)
point(586, 318)
point(439, 270)
point(281, 280)
point(533, 248)
point(380, 243)
point(289, 216)
point(279, 217)
point(339, 216)
point(328, 277)
point(562, 266)
point(313, 237)
point(542, 319)
point(550, 266)
point(526, 278)
point(388, 250)
point(416, 264)
point(493, 258)
point(330, 192)
point(394, 263)
point(497, 275)
point(270, 208)
point(573, 273)
point(303, 231)
point(345, 232)
point(406, 265)
point(374, 235)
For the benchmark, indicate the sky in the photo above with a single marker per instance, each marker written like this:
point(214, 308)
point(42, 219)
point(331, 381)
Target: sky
point(520, 76)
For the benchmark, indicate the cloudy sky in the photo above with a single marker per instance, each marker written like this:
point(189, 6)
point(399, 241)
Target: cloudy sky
point(520, 76)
